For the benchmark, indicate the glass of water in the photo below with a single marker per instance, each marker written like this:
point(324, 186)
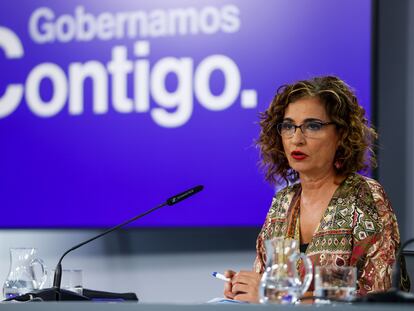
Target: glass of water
point(71, 280)
point(333, 283)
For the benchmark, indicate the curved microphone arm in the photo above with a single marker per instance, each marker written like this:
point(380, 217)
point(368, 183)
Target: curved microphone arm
point(170, 201)
point(58, 271)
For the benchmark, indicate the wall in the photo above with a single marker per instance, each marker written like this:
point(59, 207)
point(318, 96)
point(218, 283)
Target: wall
point(393, 97)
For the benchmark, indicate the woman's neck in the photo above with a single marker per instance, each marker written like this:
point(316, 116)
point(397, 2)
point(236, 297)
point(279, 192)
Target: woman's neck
point(314, 187)
point(316, 194)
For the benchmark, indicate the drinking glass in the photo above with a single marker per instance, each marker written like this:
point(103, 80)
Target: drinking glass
point(71, 280)
point(333, 283)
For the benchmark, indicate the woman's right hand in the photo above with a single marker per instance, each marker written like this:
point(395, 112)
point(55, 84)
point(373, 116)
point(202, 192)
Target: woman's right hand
point(243, 286)
point(228, 287)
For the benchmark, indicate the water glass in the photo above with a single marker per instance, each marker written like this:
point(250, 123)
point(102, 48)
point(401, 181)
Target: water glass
point(71, 280)
point(333, 283)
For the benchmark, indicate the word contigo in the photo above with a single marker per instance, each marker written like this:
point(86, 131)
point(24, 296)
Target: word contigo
point(173, 107)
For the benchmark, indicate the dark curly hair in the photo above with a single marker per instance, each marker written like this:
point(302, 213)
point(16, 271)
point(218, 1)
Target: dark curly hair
point(356, 136)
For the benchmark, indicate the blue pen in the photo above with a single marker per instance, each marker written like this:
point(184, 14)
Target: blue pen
point(220, 276)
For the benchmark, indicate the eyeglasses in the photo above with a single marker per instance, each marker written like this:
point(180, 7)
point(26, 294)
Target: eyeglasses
point(310, 129)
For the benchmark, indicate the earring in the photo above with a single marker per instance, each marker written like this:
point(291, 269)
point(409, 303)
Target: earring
point(337, 164)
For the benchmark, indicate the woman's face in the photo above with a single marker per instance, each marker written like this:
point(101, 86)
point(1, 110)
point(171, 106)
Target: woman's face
point(311, 153)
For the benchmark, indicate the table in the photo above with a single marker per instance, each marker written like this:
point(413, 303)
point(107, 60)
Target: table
point(104, 306)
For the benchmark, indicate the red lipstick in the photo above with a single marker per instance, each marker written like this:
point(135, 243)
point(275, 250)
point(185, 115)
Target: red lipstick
point(298, 155)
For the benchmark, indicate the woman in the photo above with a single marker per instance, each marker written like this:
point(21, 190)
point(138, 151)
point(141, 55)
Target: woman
point(315, 137)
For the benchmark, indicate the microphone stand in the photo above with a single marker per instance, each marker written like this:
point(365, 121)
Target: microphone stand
point(58, 271)
point(56, 293)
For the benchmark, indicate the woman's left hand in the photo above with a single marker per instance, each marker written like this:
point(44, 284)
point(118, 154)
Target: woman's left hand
point(245, 286)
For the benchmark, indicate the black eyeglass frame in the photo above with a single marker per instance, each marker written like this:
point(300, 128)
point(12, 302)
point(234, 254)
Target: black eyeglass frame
point(322, 124)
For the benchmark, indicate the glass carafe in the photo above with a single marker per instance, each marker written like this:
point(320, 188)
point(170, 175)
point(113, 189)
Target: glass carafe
point(27, 272)
point(281, 282)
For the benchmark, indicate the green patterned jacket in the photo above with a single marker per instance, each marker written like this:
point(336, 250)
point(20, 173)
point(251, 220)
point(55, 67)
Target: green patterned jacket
point(358, 228)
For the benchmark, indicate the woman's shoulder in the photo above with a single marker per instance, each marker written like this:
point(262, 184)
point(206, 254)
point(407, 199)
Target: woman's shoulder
point(367, 186)
point(282, 199)
point(286, 193)
point(371, 201)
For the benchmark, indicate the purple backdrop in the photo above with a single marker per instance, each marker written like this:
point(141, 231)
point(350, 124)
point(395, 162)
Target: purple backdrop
point(109, 107)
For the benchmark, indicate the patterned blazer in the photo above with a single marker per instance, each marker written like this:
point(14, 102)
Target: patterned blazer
point(358, 228)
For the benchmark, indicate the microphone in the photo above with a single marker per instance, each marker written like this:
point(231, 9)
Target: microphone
point(184, 195)
point(56, 293)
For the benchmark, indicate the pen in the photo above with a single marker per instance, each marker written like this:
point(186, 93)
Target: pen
point(220, 276)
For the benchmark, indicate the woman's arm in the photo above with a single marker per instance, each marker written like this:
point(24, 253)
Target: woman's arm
point(376, 241)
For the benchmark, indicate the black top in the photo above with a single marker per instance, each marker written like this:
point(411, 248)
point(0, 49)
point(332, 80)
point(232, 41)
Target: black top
point(303, 247)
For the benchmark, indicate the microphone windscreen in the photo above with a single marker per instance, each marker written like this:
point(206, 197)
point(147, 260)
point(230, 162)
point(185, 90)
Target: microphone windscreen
point(184, 195)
